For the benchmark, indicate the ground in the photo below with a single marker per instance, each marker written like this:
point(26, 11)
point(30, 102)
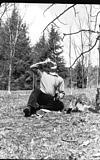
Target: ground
point(74, 136)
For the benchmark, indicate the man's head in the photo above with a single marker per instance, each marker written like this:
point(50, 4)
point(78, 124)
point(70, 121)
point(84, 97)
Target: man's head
point(50, 67)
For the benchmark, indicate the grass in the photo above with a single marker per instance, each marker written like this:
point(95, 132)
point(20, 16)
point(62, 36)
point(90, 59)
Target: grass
point(55, 136)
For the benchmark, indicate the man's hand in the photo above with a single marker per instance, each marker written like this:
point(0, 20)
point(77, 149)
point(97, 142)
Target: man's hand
point(34, 66)
point(61, 95)
point(56, 96)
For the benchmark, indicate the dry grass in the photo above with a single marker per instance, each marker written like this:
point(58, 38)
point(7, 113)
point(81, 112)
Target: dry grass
point(74, 136)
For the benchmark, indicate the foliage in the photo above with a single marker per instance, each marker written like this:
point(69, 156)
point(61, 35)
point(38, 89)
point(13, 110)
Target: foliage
point(52, 49)
point(78, 72)
point(39, 50)
point(55, 51)
point(24, 55)
point(21, 52)
point(93, 76)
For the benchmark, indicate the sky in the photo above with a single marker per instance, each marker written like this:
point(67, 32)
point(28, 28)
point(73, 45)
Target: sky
point(36, 21)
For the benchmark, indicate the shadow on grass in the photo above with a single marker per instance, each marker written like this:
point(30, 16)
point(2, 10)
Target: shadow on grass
point(93, 110)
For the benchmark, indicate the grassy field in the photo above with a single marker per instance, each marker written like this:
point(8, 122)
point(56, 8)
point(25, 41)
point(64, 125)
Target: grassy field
point(90, 92)
point(74, 136)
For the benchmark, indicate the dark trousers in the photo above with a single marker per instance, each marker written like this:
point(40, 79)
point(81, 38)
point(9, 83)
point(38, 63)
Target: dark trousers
point(45, 101)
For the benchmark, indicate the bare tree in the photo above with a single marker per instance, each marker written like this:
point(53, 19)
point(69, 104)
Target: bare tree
point(99, 61)
point(5, 7)
point(89, 16)
point(12, 43)
point(82, 49)
point(91, 35)
point(82, 53)
point(72, 6)
point(70, 61)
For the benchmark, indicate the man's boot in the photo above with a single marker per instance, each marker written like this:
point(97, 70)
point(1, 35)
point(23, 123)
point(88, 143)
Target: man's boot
point(27, 112)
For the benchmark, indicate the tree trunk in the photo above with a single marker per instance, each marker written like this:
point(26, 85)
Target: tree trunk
point(33, 81)
point(82, 71)
point(82, 59)
point(70, 61)
point(89, 54)
point(10, 71)
point(99, 62)
point(9, 78)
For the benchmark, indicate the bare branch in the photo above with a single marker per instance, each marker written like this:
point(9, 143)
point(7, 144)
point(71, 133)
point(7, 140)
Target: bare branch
point(96, 20)
point(48, 8)
point(96, 16)
point(88, 23)
point(75, 11)
point(76, 48)
point(85, 51)
point(59, 16)
point(56, 25)
point(3, 11)
point(82, 30)
point(6, 8)
point(61, 22)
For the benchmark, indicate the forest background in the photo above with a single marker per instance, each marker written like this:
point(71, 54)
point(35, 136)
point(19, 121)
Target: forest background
point(17, 54)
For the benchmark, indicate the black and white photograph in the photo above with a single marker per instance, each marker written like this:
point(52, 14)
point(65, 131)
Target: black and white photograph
point(50, 81)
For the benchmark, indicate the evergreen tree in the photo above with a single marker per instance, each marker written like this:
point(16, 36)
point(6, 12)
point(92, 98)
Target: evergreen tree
point(39, 50)
point(15, 39)
point(55, 50)
point(4, 57)
point(52, 49)
point(78, 71)
point(21, 61)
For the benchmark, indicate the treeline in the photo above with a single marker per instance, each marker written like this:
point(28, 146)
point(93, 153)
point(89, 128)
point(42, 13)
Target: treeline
point(17, 54)
point(80, 76)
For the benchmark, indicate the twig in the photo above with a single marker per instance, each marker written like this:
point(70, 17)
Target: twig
point(61, 22)
point(48, 8)
point(68, 140)
point(96, 20)
point(75, 11)
point(59, 16)
point(85, 51)
point(82, 30)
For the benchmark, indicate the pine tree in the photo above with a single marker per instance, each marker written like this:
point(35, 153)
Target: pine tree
point(21, 61)
point(39, 51)
point(50, 48)
point(16, 51)
point(78, 72)
point(55, 50)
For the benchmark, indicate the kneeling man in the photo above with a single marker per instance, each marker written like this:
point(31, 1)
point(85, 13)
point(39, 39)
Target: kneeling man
point(51, 91)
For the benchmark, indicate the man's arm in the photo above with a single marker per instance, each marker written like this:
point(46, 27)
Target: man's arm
point(60, 89)
point(37, 71)
point(40, 63)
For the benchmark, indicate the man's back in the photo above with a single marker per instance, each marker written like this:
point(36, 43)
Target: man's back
point(49, 82)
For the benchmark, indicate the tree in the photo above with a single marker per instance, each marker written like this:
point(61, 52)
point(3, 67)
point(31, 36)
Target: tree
point(16, 51)
point(93, 12)
point(21, 61)
point(4, 7)
point(50, 48)
point(40, 50)
point(55, 50)
point(78, 70)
